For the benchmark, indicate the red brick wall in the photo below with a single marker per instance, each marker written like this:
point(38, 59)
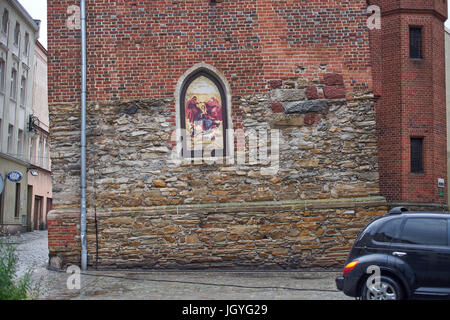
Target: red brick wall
point(139, 49)
point(61, 236)
point(412, 102)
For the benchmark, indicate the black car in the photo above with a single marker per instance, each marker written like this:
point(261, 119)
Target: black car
point(401, 255)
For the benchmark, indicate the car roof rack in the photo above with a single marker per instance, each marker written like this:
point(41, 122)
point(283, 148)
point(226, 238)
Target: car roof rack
point(398, 210)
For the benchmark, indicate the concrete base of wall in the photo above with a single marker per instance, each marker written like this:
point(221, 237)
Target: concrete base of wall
point(260, 235)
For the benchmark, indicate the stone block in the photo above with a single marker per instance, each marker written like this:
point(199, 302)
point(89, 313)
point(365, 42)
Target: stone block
point(311, 93)
point(334, 79)
point(171, 229)
point(303, 107)
point(277, 107)
point(334, 92)
point(312, 119)
point(282, 95)
point(159, 183)
point(56, 263)
point(288, 121)
point(119, 220)
point(302, 83)
point(275, 84)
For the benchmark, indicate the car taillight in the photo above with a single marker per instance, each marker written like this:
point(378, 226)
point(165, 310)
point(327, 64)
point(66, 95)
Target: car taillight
point(350, 266)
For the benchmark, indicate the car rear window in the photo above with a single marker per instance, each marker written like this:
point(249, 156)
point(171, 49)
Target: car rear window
point(422, 231)
point(388, 231)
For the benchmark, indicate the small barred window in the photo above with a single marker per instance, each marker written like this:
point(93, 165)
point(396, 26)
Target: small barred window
point(416, 155)
point(415, 43)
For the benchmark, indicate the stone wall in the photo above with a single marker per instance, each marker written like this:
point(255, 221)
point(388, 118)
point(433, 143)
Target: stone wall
point(260, 235)
point(327, 152)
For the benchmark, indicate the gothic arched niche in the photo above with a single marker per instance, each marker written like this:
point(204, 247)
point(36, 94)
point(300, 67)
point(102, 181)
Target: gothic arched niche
point(203, 108)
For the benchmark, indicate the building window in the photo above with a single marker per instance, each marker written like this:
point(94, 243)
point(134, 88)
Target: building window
point(415, 42)
point(417, 155)
point(20, 145)
point(39, 160)
point(46, 160)
point(17, 203)
point(32, 150)
point(13, 93)
point(10, 139)
point(5, 21)
point(26, 49)
point(23, 91)
point(203, 108)
point(17, 35)
point(2, 75)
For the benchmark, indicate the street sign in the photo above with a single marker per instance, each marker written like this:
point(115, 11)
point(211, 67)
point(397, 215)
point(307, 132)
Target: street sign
point(15, 176)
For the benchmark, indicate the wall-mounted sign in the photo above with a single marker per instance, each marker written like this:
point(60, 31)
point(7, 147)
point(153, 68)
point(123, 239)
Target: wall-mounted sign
point(2, 184)
point(441, 183)
point(15, 176)
point(34, 173)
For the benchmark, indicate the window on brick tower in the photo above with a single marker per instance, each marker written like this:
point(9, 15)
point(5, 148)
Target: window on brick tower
point(203, 108)
point(415, 42)
point(417, 155)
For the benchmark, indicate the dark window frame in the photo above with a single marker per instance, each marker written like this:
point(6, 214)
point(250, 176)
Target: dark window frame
point(417, 162)
point(416, 42)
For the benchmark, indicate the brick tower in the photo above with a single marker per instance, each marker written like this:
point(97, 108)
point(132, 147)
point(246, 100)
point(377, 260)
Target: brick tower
point(409, 80)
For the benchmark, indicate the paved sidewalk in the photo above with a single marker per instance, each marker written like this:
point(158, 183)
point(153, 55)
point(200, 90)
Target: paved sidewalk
point(132, 285)
point(32, 252)
point(158, 285)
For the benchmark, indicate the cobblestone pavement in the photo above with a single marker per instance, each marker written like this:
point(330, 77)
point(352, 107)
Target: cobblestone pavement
point(130, 285)
point(32, 252)
point(155, 285)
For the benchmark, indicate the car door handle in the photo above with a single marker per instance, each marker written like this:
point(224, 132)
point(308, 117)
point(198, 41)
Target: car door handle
point(399, 254)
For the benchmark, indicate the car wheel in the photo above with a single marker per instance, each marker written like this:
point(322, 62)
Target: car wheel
point(388, 289)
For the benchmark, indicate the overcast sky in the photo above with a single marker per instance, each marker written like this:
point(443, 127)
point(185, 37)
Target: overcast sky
point(38, 10)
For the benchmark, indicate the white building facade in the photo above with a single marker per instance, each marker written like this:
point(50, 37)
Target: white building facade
point(39, 175)
point(18, 35)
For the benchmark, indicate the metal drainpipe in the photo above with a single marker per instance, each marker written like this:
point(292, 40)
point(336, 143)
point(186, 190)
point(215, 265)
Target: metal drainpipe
point(83, 137)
